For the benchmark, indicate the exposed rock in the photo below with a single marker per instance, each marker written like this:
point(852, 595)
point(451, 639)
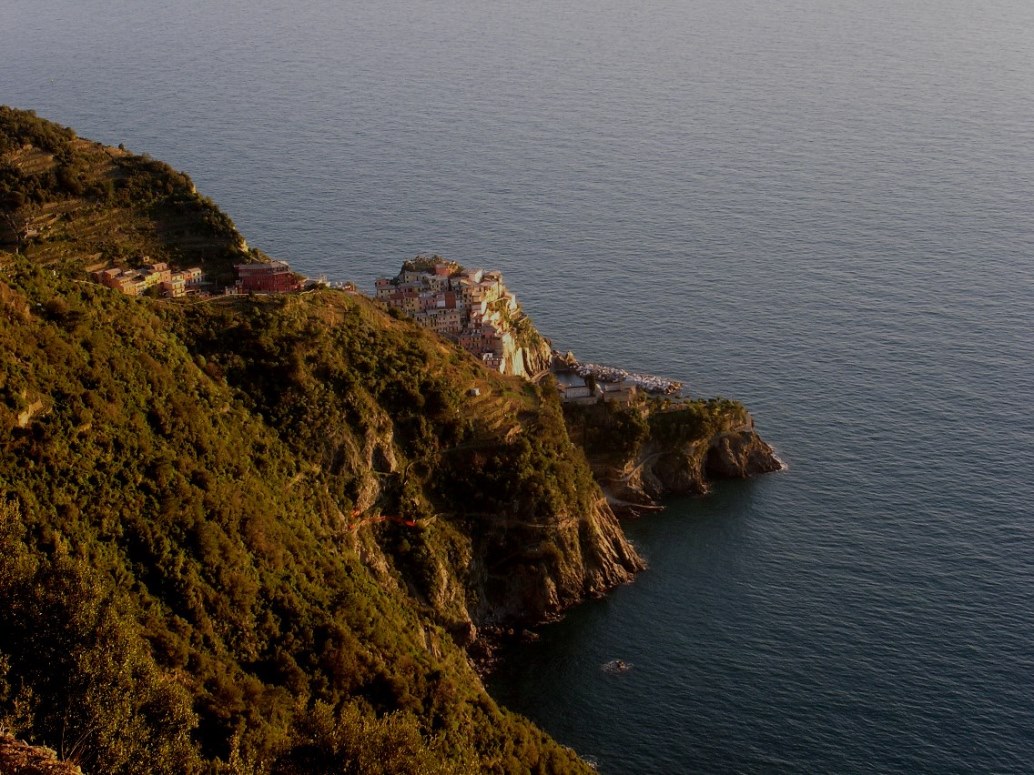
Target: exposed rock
point(585, 558)
point(739, 455)
point(25, 417)
point(18, 758)
point(527, 359)
point(669, 459)
point(530, 573)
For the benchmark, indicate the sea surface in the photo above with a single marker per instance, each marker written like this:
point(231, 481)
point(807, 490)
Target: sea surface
point(822, 208)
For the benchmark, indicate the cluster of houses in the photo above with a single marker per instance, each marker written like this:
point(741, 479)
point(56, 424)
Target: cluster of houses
point(271, 277)
point(469, 306)
point(156, 274)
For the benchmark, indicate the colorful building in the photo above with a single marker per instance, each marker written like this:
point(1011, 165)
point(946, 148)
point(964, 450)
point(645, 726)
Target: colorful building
point(274, 277)
point(461, 304)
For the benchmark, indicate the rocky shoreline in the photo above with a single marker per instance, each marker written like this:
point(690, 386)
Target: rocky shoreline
point(641, 486)
point(663, 464)
point(667, 449)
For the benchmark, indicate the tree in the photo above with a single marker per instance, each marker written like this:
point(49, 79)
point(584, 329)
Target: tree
point(17, 217)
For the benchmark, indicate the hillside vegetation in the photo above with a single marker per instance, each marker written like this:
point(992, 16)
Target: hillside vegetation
point(70, 201)
point(257, 534)
point(268, 533)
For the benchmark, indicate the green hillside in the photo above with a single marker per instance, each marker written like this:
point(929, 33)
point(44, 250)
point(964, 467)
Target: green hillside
point(69, 201)
point(257, 534)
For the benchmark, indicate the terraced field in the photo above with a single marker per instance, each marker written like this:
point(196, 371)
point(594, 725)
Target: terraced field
point(91, 206)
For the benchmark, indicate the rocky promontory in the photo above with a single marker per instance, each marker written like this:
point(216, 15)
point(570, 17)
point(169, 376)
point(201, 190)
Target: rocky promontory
point(648, 448)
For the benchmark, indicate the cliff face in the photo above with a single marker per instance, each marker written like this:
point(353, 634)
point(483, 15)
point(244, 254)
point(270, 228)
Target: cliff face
point(256, 533)
point(508, 524)
point(239, 534)
point(578, 557)
point(642, 452)
point(740, 454)
point(526, 354)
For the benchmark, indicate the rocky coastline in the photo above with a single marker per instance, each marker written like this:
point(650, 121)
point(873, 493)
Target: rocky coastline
point(647, 450)
point(659, 472)
point(343, 509)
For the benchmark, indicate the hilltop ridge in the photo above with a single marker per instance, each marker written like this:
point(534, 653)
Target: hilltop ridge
point(76, 203)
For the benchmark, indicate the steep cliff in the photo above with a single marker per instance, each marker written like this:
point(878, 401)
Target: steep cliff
point(509, 525)
point(255, 534)
point(262, 533)
point(526, 353)
point(650, 448)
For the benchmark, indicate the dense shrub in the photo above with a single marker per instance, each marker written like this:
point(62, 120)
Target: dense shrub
point(190, 574)
point(23, 127)
point(181, 589)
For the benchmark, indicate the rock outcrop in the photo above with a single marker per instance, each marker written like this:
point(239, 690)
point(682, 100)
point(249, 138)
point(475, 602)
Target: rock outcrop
point(650, 449)
point(530, 572)
point(740, 454)
point(525, 356)
point(18, 758)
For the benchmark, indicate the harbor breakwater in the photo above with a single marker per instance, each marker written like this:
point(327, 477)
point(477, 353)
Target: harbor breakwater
point(568, 365)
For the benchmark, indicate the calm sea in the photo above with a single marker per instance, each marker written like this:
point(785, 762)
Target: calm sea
point(820, 207)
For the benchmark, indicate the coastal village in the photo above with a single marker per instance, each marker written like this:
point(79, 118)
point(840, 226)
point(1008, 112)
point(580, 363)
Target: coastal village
point(471, 307)
point(474, 308)
point(152, 274)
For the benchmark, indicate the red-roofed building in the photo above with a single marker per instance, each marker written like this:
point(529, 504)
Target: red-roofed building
point(274, 277)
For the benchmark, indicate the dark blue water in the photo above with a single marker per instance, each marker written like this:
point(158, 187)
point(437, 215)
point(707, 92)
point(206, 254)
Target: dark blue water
point(821, 207)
